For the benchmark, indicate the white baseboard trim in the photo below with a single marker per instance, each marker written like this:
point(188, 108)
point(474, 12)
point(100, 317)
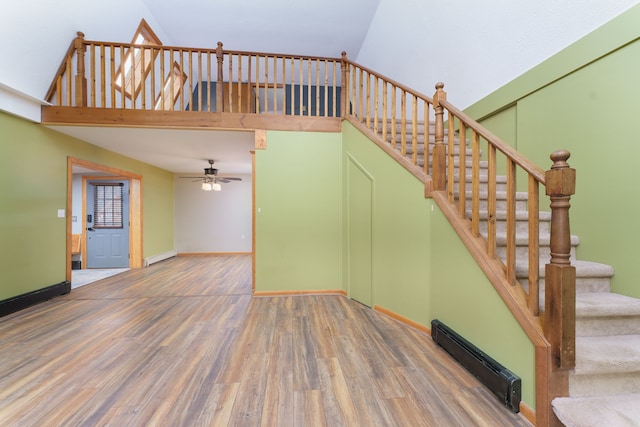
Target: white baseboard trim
point(159, 257)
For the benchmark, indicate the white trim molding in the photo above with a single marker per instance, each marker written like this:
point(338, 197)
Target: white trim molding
point(20, 104)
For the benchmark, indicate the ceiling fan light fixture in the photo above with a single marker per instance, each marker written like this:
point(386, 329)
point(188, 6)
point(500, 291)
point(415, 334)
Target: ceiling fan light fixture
point(207, 186)
point(216, 187)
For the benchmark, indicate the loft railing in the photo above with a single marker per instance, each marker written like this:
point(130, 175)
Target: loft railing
point(156, 77)
point(399, 117)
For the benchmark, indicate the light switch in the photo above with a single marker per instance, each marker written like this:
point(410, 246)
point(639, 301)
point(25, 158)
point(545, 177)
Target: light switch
point(60, 213)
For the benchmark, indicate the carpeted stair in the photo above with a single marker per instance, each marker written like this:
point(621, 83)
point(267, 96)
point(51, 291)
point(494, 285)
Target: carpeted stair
point(604, 387)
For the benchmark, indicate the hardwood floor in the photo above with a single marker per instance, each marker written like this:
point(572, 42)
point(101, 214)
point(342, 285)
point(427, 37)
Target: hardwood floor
point(183, 343)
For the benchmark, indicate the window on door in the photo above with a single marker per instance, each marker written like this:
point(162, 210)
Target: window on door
point(108, 206)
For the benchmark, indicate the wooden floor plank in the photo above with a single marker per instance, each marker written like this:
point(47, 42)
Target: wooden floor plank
point(183, 343)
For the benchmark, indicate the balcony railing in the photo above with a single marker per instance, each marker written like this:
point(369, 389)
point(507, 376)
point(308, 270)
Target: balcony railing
point(165, 78)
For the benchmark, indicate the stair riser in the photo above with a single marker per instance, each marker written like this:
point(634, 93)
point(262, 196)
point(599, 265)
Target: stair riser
point(599, 326)
point(522, 226)
point(500, 186)
point(601, 384)
point(583, 284)
point(522, 252)
point(501, 205)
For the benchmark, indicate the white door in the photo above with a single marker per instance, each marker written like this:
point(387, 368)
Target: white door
point(108, 224)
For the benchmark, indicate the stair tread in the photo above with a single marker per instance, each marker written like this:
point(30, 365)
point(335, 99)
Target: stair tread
point(607, 354)
point(600, 304)
point(596, 411)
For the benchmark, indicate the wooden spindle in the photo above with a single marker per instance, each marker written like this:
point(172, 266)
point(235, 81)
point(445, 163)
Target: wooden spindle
point(534, 246)
point(81, 78)
point(219, 79)
point(345, 93)
point(560, 275)
point(439, 149)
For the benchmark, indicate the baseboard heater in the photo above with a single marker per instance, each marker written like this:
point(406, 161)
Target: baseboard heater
point(159, 257)
point(502, 382)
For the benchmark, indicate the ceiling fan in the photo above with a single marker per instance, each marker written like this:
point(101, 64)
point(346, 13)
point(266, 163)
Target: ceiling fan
point(211, 180)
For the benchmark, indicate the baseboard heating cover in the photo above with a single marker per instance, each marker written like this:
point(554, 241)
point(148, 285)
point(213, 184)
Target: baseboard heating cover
point(502, 382)
point(159, 257)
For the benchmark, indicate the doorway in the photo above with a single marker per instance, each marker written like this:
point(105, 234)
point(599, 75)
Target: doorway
point(360, 233)
point(94, 172)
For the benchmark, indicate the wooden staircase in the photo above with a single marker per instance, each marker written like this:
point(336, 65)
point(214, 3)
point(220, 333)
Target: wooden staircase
point(604, 387)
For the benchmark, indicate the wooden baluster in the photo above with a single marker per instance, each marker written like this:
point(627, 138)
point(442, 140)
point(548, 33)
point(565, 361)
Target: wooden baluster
point(394, 133)
point(451, 177)
point(511, 222)
point(403, 122)
point(81, 79)
point(385, 107)
point(534, 246)
point(427, 138)
point(92, 72)
point(376, 84)
point(462, 161)
point(475, 183)
point(219, 79)
point(560, 275)
point(439, 163)
point(414, 129)
point(345, 94)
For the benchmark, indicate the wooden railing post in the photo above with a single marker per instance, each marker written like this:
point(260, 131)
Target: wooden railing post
point(219, 80)
point(439, 157)
point(560, 275)
point(81, 79)
point(344, 93)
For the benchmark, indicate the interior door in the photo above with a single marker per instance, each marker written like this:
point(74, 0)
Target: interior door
point(108, 224)
point(360, 222)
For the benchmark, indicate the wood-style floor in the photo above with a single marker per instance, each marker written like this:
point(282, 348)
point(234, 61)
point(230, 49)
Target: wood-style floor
point(183, 343)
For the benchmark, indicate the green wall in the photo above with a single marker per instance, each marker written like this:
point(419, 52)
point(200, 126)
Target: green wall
point(585, 99)
point(464, 299)
point(422, 271)
point(33, 173)
point(299, 212)
point(400, 230)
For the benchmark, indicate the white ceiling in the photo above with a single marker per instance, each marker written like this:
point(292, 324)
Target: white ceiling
point(305, 27)
point(179, 151)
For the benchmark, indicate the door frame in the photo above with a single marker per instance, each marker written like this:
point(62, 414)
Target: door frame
point(135, 209)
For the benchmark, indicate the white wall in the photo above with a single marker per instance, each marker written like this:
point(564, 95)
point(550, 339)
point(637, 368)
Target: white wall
point(35, 35)
point(475, 47)
point(212, 221)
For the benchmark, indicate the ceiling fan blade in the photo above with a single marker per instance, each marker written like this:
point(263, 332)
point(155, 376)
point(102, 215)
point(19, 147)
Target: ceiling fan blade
point(225, 180)
point(231, 178)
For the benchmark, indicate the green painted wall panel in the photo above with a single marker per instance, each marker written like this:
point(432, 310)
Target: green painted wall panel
point(464, 299)
point(400, 230)
point(33, 173)
point(585, 99)
point(299, 212)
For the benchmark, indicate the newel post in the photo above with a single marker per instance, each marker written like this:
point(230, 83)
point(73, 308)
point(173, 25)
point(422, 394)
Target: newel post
point(439, 160)
point(560, 275)
point(219, 81)
point(344, 95)
point(81, 79)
